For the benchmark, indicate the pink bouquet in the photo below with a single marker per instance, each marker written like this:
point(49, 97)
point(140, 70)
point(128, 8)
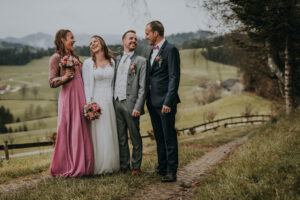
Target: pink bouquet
point(68, 62)
point(92, 111)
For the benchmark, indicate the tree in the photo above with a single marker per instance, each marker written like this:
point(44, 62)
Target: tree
point(5, 117)
point(9, 130)
point(35, 92)
point(25, 127)
point(38, 111)
point(275, 25)
point(24, 90)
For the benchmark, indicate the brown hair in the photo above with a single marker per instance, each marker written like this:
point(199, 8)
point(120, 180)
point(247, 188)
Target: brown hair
point(130, 31)
point(60, 48)
point(107, 52)
point(157, 26)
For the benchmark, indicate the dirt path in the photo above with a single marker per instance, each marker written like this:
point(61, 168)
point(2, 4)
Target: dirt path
point(189, 175)
point(186, 174)
point(23, 182)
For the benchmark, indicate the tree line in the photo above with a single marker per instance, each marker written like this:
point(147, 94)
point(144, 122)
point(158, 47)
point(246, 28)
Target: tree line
point(5, 117)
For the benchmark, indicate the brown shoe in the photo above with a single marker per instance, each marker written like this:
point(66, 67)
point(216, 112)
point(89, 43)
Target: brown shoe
point(135, 172)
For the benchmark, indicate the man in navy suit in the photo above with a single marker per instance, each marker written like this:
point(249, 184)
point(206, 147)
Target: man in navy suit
point(162, 98)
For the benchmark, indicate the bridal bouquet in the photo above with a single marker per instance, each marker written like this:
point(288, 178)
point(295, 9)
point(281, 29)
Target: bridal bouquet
point(92, 111)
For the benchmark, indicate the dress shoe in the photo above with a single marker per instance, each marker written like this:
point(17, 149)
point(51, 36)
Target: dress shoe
point(161, 172)
point(169, 177)
point(135, 172)
point(123, 170)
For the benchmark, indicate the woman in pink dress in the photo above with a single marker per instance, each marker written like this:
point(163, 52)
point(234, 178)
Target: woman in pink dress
point(73, 153)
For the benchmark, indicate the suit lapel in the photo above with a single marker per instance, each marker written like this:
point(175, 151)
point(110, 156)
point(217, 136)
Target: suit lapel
point(132, 62)
point(116, 69)
point(159, 53)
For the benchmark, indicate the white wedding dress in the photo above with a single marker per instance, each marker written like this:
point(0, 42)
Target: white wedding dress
point(104, 129)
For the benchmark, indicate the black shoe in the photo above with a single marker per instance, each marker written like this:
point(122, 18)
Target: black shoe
point(169, 177)
point(161, 172)
point(124, 170)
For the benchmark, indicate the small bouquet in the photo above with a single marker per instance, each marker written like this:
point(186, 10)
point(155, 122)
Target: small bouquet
point(132, 68)
point(68, 62)
point(92, 111)
point(159, 60)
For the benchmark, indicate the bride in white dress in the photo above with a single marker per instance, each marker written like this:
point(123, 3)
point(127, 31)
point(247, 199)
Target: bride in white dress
point(98, 74)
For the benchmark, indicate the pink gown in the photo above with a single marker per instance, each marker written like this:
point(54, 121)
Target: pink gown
point(73, 154)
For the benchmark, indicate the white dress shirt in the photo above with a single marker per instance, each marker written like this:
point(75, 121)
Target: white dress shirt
point(155, 51)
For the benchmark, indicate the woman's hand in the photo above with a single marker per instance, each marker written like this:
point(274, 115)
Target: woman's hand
point(68, 74)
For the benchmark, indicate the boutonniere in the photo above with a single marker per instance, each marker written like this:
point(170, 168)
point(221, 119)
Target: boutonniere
point(132, 68)
point(159, 60)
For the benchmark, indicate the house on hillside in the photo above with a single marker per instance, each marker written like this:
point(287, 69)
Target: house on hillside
point(233, 86)
point(2, 88)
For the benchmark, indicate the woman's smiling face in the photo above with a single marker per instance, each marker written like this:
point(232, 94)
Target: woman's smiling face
point(69, 42)
point(95, 45)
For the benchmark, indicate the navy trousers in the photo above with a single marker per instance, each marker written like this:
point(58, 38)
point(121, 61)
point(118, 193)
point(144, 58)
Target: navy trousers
point(165, 136)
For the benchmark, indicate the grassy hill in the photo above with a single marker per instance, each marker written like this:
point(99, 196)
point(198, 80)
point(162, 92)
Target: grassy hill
point(194, 68)
point(266, 167)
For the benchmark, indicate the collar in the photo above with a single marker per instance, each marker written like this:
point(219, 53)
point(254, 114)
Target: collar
point(130, 53)
point(161, 43)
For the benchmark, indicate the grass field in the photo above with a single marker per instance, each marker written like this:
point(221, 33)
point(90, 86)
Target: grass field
point(17, 107)
point(266, 167)
point(194, 67)
point(113, 186)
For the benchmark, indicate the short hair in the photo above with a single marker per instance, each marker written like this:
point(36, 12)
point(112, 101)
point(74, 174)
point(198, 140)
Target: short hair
point(157, 26)
point(130, 31)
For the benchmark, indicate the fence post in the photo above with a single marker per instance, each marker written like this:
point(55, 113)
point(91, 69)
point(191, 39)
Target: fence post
point(6, 150)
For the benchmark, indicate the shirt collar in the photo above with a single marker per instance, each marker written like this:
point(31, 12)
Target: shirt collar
point(130, 53)
point(161, 43)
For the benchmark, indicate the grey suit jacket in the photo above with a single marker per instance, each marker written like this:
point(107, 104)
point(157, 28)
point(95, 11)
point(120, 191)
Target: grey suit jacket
point(136, 83)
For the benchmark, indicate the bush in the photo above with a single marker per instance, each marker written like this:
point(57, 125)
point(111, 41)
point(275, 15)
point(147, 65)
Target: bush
point(209, 115)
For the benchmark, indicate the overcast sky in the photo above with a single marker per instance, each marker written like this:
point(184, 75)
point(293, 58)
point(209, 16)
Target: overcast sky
point(22, 17)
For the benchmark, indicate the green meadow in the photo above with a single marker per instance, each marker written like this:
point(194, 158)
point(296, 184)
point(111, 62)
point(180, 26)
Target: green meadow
point(194, 69)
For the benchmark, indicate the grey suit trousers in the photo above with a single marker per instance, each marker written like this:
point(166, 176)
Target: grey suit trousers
point(125, 122)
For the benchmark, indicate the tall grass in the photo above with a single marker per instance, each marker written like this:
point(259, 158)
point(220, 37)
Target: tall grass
point(267, 167)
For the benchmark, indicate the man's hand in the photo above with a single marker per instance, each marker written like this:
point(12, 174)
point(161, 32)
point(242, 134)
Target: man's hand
point(136, 113)
point(165, 109)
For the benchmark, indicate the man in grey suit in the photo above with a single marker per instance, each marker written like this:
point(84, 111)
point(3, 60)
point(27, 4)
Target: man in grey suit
point(129, 99)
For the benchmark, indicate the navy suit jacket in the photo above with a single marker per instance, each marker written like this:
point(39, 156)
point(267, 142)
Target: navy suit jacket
point(164, 77)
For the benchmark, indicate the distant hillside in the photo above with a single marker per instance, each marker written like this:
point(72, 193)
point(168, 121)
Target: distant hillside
point(181, 37)
point(8, 45)
point(42, 40)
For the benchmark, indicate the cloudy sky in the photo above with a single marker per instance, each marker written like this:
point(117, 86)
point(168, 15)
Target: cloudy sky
point(22, 17)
